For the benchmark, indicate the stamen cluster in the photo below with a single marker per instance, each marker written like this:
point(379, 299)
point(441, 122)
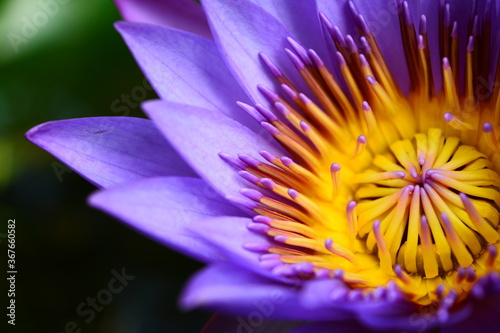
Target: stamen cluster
point(381, 188)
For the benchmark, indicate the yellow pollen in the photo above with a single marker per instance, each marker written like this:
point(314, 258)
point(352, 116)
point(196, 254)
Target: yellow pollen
point(378, 187)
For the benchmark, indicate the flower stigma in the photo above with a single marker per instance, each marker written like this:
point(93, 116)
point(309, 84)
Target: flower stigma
point(381, 188)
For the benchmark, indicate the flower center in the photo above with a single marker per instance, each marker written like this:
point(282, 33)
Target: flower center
point(436, 201)
point(374, 191)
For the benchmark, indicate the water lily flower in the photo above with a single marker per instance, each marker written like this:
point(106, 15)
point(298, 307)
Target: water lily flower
point(334, 162)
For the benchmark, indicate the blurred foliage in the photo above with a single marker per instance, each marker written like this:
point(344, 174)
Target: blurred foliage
point(75, 65)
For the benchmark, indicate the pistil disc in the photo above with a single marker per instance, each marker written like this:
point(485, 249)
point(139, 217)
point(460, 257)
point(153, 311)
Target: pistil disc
point(441, 215)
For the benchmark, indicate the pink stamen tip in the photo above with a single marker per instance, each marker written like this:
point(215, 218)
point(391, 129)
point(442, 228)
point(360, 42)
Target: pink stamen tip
point(328, 244)
point(421, 42)
point(249, 160)
point(341, 59)
point(335, 167)
point(289, 91)
point(270, 65)
point(361, 139)
point(249, 177)
point(293, 194)
point(440, 290)
point(230, 159)
point(447, 15)
point(252, 112)
point(256, 247)
point(268, 156)
point(399, 271)
point(281, 238)
point(400, 174)
point(421, 161)
point(363, 61)
point(430, 174)
point(305, 127)
point(323, 273)
point(270, 128)
point(283, 270)
point(258, 228)
point(492, 255)
point(448, 117)
point(282, 108)
point(446, 220)
point(471, 274)
point(268, 93)
point(269, 256)
point(364, 26)
point(316, 58)
point(338, 274)
point(354, 9)
point(461, 273)
point(366, 106)
point(252, 194)
point(423, 25)
point(351, 206)
point(475, 26)
point(371, 80)
point(454, 30)
point(366, 45)
point(324, 19)
point(297, 62)
point(407, 14)
point(268, 183)
point(306, 100)
point(470, 44)
point(351, 44)
point(241, 202)
point(268, 114)
point(262, 219)
point(464, 197)
point(376, 226)
point(446, 63)
point(299, 50)
point(287, 161)
point(487, 127)
point(304, 267)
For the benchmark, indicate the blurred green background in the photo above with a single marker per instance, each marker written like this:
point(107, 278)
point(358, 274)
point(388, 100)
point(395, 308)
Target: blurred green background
point(74, 65)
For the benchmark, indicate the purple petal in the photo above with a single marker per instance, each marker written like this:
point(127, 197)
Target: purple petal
point(242, 30)
point(236, 291)
point(163, 207)
point(230, 235)
point(185, 68)
point(199, 135)
point(110, 150)
point(180, 14)
point(383, 312)
point(382, 18)
point(484, 318)
point(301, 18)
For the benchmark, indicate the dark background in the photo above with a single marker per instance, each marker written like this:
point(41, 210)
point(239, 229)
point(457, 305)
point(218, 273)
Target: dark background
point(75, 65)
